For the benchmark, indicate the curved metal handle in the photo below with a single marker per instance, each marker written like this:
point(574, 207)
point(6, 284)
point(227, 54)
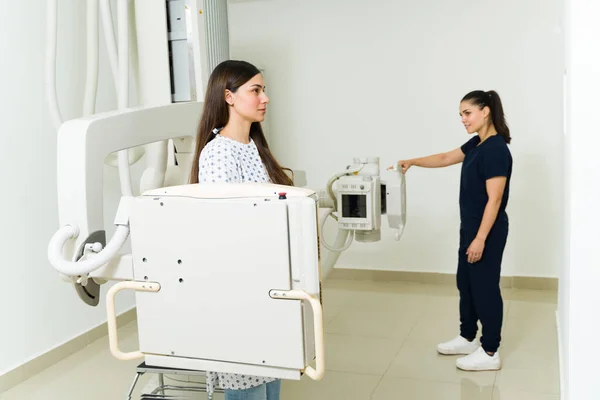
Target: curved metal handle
point(112, 318)
point(318, 373)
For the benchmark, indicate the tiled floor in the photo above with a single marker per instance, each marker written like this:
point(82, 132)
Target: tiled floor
point(380, 345)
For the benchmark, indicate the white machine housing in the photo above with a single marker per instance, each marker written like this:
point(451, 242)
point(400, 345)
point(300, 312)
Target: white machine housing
point(229, 245)
point(180, 42)
point(251, 249)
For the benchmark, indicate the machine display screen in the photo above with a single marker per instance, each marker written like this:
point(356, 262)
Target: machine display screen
point(354, 206)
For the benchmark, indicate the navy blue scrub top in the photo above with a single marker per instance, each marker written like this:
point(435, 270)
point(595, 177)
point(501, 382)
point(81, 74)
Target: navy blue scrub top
point(490, 159)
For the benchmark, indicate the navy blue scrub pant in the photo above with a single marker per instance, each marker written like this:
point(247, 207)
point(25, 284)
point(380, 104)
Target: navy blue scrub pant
point(479, 287)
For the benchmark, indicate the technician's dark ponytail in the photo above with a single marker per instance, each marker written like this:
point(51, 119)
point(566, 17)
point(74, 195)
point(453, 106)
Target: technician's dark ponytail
point(492, 100)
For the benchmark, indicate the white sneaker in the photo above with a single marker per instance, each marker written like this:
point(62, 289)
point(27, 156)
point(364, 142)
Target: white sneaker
point(480, 361)
point(458, 345)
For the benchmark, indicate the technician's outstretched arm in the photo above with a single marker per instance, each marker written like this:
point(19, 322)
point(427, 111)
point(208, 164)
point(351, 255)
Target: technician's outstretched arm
point(434, 161)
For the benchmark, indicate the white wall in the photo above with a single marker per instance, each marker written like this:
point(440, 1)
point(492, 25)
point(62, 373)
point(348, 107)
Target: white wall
point(349, 78)
point(579, 296)
point(39, 311)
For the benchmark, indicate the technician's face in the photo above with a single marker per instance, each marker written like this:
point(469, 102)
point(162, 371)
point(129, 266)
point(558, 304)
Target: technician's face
point(250, 100)
point(472, 117)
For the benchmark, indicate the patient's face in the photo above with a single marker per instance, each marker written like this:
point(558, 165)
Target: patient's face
point(250, 100)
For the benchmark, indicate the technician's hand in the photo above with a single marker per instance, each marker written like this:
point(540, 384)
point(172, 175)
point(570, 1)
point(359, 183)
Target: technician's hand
point(404, 165)
point(475, 250)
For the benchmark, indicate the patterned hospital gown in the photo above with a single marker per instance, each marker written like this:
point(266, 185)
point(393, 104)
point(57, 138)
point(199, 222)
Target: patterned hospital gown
point(226, 160)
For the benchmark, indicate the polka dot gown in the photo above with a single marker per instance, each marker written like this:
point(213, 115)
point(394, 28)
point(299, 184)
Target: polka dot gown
point(226, 160)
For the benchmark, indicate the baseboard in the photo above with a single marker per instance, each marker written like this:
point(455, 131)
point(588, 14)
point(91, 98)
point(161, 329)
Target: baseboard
point(561, 365)
point(38, 364)
point(517, 282)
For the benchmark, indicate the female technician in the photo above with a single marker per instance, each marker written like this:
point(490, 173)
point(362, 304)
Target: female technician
point(484, 189)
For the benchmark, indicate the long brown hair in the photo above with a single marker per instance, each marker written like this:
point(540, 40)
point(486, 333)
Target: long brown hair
point(492, 100)
point(231, 75)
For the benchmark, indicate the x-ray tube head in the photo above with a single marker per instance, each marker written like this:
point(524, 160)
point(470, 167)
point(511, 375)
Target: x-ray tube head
point(362, 197)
